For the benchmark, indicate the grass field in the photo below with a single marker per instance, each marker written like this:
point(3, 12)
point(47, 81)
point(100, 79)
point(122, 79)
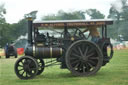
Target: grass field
point(114, 73)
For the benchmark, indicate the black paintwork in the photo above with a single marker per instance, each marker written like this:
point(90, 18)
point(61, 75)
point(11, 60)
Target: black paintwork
point(42, 46)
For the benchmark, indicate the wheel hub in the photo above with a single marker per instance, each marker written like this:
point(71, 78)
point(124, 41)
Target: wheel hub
point(26, 67)
point(84, 59)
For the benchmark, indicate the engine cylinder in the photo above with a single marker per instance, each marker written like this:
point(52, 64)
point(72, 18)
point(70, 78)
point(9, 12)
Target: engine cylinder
point(44, 52)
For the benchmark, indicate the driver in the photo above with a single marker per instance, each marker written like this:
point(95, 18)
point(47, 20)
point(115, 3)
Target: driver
point(93, 32)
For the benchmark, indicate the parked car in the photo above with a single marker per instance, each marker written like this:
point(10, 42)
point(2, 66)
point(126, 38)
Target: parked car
point(10, 50)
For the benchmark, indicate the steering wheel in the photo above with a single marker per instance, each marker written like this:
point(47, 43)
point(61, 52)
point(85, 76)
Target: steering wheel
point(78, 33)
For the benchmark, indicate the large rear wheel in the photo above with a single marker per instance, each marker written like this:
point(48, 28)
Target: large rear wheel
point(84, 58)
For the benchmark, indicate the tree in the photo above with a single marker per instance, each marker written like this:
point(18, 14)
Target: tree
point(120, 15)
point(114, 14)
point(2, 12)
point(20, 29)
point(61, 15)
point(95, 14)
point(118, 10)
point(3, 26)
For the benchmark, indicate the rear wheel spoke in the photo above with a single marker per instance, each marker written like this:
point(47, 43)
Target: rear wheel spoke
point(76, 65)
point(80, 67)
point(90, 65)
point(91, 54)
point(80, 51)
point(85, 53)
point(91, 50)
point(75, 50)
point(87, 68)
point(73, 54)
point(83, 47)
point(76, 61)
point(83, 69)
point(95, 58)
point(73, 58)
point(92, 62)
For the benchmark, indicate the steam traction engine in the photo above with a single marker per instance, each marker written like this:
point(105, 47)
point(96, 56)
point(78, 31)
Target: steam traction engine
point(72, 48)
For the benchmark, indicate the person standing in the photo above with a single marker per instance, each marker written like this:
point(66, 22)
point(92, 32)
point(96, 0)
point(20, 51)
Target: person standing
point(93, 32)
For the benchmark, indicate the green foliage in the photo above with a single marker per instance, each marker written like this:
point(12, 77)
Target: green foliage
point(121, 21)
point(2, 12)
point(95, 14)
point(19, 28)
point(10, 32)
point(123, 29)
point(3, 26)
point(61, 15)
point(5, 34)
point(50, 17)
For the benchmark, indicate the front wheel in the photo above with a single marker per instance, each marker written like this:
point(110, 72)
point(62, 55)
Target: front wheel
point(26, 67)
point(84, 58)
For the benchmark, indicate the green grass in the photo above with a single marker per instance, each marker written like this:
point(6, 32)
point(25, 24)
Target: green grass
point(114, 73)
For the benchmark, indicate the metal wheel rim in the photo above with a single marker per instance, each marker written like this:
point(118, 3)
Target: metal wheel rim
point(81, 66)
point(26, 67)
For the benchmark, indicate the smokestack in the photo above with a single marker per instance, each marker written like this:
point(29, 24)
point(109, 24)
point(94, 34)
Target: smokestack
point(30, 30)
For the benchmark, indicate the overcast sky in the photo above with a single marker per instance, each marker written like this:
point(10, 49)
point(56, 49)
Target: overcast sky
point(17, 8)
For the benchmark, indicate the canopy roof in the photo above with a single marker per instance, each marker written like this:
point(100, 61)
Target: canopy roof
point(72, 23)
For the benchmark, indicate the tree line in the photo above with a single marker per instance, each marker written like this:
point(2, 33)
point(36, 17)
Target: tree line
point(10, 32)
